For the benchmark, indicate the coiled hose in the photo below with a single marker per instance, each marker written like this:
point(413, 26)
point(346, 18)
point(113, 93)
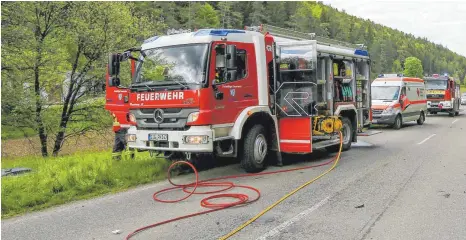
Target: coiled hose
point(241, 199)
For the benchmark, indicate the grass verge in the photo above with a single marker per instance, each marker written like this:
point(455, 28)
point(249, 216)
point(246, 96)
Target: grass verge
point(60, 180)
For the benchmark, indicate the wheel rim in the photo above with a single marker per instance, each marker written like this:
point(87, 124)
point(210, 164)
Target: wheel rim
point(346, 133)
point(398, 121)
point(260, 148)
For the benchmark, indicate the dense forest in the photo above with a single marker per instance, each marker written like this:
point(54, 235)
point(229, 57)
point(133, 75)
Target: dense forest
point(54, 53)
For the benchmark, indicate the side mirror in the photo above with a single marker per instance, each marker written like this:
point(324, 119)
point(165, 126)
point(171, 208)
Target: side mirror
point(114, 64)
point(220, 59)
point(231, 57)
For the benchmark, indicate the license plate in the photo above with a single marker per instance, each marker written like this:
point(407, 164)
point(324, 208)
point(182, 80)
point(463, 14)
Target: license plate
point(374, 121)
point(158, 137)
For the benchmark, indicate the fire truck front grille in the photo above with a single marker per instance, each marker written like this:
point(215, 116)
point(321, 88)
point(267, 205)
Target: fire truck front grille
point(172, 118)
point(435, 96)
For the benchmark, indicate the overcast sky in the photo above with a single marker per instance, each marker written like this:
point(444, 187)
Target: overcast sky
point(441, 22)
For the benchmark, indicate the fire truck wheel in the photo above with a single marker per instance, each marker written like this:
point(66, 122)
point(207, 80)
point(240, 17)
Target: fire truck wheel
point(421, 119)
point(347, 133)
point(254, 149)
point(457, 113)
point(398, 122)
point(451, 114)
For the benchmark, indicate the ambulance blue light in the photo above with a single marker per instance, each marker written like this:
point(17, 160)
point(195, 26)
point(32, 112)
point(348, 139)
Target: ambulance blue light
point(217, 32)
point(361, 52)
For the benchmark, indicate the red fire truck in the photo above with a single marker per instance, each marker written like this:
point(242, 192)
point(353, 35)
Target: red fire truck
point(252, 94)
point(443, 95)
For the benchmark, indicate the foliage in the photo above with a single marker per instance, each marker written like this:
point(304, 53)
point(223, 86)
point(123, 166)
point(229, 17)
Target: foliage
point(60, 49)
point(413, 67)
point(63, 179)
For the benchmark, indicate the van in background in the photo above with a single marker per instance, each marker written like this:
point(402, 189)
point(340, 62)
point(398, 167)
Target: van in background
point(397, 100)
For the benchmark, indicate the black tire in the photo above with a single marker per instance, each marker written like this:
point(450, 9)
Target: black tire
point(398, 122)
point(434, 113)
point(347, 140)
point(457, 113)
point(451, 114)
point(255, 149)
point(421, 119)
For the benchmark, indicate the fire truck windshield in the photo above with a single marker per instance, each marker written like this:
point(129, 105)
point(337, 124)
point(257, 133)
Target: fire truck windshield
point(436, 84)
point(183, 65)
point(385, 92)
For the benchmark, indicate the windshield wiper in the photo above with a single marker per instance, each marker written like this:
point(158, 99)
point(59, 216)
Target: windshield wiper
point(148, 87)
point(174, 79)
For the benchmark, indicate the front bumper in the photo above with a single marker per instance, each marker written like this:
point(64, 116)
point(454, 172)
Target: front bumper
point(439, 106)
point(175, 141)
point(383, 119)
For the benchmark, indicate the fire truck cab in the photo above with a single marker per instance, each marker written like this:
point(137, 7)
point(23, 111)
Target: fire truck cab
point(443, 95)
point(251, 94)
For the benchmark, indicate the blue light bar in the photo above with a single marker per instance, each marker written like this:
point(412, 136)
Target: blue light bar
point(151, 39)
point(361, 52)
point(295, 51)
point(217, 32)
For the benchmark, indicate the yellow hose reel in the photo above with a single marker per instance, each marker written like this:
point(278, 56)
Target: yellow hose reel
point(323, 125)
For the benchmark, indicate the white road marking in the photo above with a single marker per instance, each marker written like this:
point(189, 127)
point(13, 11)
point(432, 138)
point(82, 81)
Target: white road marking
point(296, 218)
point(454, 121)
point(425, 140)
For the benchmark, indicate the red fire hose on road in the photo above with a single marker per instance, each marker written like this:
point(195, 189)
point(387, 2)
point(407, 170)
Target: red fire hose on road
point(242, 199)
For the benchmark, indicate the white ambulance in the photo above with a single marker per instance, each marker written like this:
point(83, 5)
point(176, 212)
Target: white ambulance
point(397, 100)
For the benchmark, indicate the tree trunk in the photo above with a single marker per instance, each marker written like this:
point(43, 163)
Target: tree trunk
point(58, 141)
point(40, 123)
point(67, 106)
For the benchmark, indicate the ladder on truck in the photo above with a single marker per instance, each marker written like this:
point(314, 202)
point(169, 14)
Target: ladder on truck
point(289, 34)
point(296, 35)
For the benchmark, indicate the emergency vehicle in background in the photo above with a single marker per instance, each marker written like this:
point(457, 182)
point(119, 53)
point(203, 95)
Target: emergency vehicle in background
point(397, 99)
point(443, 95)
point(252, 94)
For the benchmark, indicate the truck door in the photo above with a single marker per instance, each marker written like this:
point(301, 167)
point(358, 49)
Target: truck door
point(238, 92)
point(296, 95)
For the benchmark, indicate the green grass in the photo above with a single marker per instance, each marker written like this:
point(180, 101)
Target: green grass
point(463, 88)
point(55, 181)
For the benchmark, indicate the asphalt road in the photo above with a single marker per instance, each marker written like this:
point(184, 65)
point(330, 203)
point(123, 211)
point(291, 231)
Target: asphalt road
point(410, 184)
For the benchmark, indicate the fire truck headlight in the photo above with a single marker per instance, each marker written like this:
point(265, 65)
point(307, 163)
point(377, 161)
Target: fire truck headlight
point(130, 137)
point(192, 117)
point(196, 139)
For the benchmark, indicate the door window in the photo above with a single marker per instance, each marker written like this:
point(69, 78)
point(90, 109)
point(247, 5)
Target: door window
point(241, 66)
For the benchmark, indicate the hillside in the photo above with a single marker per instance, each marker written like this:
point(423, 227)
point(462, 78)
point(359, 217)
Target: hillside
point(388, 47)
